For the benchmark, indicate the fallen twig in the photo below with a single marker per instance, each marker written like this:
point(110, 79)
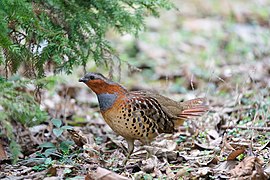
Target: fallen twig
point(247, 128)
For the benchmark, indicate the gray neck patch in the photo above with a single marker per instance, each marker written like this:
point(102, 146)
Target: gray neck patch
point(106, 100)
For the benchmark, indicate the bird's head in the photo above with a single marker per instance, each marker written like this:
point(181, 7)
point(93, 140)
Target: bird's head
point(100, 84)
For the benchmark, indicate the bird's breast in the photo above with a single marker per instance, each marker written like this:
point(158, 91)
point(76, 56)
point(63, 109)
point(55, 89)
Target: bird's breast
point(106, 100)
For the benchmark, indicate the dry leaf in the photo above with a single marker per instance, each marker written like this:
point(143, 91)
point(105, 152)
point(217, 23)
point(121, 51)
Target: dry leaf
point(52, 171)
point(259, 171)
point(181, 172)
point(103, 174)
point(3, 154)
point(203, 146)
point(169, 145)
point(213, 134)
point(246, 167)
point(267, 170)
point(226, 144)
point(58, 170)
point(149, 164)
point(169, 173)
point(225, 166)
point(78, 137)
point(203, 171)
point(235, 153)
point(213, 160)
point(214, 138)
point(161, 153)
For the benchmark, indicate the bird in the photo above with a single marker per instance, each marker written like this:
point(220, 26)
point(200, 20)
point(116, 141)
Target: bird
point(140, 115)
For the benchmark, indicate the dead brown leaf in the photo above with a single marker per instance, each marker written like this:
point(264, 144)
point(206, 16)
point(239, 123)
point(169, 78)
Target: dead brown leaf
point(91, 152)
point(222, 169)
point(3, 154)
point(213, 160)
point(58, 170)
point(52, 171)
point(169, 145)
point(77, 137)
point(213, 141)
point(225, 165)
point(203, 146)
point(169, 173)
point(267, 170)
point(247, 167)
point(149, 164)
point(203, 171)
point(235, 153)
point(226, 145)
point(181, 172)
point(103, 174)
point(214, 138)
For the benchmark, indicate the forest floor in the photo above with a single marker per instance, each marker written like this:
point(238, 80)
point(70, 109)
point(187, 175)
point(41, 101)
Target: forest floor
point(214, 49)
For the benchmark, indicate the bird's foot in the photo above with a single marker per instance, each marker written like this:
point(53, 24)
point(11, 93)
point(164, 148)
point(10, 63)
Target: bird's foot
point(125, 161)
point(149, 152)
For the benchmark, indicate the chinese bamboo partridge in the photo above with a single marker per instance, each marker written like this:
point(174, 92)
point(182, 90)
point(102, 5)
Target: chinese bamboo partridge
point(139, 115)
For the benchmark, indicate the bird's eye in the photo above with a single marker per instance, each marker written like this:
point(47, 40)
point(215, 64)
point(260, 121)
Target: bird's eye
point(92, 77)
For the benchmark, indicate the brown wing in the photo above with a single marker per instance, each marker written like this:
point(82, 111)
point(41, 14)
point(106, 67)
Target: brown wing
point(169, 114)
point(178, 112)
point(151, 111)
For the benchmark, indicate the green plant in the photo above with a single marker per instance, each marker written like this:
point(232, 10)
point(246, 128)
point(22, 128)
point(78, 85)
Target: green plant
point(66, 33)
point(16, 104)
point(202, 136)
point(234, 132)
point(59, 129)
point(45, 165)
point(240, 157)
point(60, 151)
point(56, 150)
point(181, 139)
point(64, 146)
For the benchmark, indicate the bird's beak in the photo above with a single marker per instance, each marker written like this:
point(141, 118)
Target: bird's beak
point(83, 79)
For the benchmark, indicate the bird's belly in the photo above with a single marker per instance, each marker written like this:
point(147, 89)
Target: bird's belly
point(128, 127)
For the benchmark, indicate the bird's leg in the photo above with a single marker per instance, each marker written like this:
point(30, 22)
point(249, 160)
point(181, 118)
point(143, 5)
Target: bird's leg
point(130, 143)
point(149, 153)
point(149, 150)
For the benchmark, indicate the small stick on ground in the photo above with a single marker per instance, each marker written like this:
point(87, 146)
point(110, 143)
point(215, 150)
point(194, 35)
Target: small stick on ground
point(247, 128)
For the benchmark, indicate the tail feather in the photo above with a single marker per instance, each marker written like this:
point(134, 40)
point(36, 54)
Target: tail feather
point(194, 102)
point(193, 108)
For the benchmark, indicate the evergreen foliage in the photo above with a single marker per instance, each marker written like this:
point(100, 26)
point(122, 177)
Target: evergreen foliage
point(65, 33)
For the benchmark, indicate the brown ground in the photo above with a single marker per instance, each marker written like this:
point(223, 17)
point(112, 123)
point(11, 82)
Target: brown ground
point(214, 49)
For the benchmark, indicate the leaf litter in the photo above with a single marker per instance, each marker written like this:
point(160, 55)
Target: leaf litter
point(230, 66)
